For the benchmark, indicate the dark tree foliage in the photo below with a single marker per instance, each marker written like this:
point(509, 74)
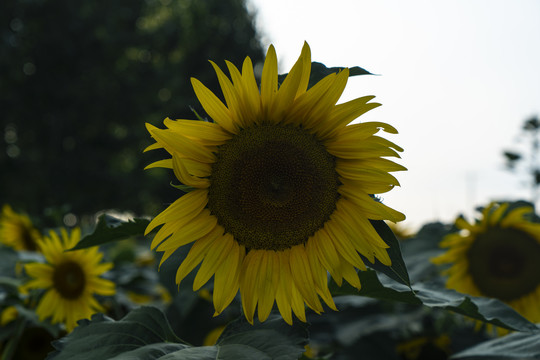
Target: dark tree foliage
point(78, 81)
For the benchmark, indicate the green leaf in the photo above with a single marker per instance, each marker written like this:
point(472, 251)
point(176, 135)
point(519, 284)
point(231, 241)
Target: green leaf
point(104, 338)
point(319, 71)
point(398, 270)
point(272, 339)
point(372, 288)
point(153, 351)
point(109, 229)
point(145, 333)
point(435, 295)
point(513, 346)
point(489, 310)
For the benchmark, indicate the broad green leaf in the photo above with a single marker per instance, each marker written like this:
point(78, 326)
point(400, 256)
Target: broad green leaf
point(398, 270)
point(145, 333)
point(104, 338)
point(109, 229)
point(435, 295)
point(513, 346)
point(194, 353)
point(272, 339)
point(151, 352)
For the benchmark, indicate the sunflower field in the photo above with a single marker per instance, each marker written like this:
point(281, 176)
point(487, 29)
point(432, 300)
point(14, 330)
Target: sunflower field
point(271, 241)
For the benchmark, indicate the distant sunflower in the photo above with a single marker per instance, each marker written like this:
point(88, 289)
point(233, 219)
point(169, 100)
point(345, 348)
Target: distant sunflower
point(70, 278)
point(497, 257)
point(17, 231)
point(281, 188)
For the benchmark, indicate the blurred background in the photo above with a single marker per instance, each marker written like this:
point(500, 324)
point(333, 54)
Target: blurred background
point(79, 80)
point(460, 80)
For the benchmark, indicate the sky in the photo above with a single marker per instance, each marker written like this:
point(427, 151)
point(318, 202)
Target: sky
point(456, 78)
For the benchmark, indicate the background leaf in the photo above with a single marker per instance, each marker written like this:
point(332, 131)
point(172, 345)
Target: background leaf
point(109, 229)
point(513, 346)
point(319, 71)
point(435, 295)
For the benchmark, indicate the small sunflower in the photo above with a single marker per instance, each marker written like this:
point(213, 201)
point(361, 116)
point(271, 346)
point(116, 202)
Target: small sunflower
point(17, 231)
point(281, 189)
point(497, 257)
point(70, 278)
point(425, 347)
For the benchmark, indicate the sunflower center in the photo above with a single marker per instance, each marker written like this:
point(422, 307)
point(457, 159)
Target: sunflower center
point(69, 280)
point(272, 187)
point(503, 263)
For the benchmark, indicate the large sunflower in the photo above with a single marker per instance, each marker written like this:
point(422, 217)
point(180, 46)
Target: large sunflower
point(17, 231)
point(70, 278)
point(497, 257)
point(281, 189)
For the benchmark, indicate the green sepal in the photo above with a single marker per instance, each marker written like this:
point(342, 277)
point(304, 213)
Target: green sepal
point(182, 187)
point(109, 229)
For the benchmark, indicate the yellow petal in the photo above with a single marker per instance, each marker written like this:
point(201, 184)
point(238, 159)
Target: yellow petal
point(165, 163)
point(288, 90)
point(248, 113)
point(297, 304)
point(370, 163)
point(248, 282)
point(213, 106)
point(182, 208)
point(269, 85)
point(203, 132)
point(233, 101)
point(320, 277)
point(350, 274)
point(212, 260)
point(226, 278)
point(182, 174)
point(197, 252)
point(373, 146)
point(283, 291)
point(305, 60)
point(343, 114)
point(251, 90)
point(341, 238)
point(173, 142)
point(195, 229)
point(267, 283)
point(327, 253)
point(303, 279)
point(368, 206)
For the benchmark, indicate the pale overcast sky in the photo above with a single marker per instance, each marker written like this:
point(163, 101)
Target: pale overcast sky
point(458, 79)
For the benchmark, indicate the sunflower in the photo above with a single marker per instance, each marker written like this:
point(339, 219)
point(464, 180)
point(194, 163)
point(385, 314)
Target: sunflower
point(497, 257)
point(281, 189)
point(17, 231)
point(70, 278)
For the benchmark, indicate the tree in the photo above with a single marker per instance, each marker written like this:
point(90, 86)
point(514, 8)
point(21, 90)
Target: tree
point(80, 79)
point(531, 128)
